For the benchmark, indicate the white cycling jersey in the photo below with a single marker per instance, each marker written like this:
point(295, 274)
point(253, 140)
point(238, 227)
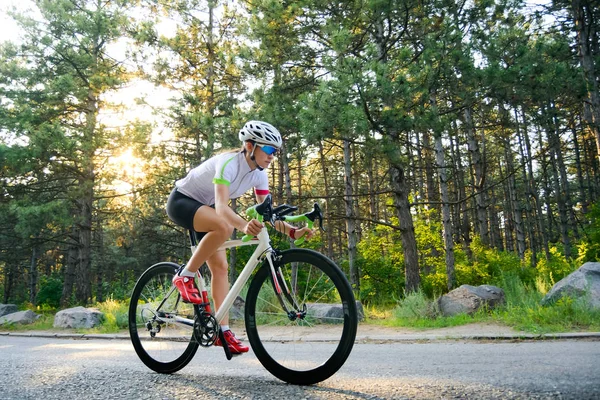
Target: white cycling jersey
point(229, 169)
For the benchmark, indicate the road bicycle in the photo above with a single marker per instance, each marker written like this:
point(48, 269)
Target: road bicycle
point(300, 313)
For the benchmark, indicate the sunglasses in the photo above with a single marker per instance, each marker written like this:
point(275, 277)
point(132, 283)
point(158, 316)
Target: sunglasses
point(267, 149)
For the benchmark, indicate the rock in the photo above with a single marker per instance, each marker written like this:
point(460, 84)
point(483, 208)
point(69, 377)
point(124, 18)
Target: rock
point(78, 317)
point(332, 313)
point(468, 299)
point(20, 317)
point(236, 312)
point(583, 284)
point(8, 309)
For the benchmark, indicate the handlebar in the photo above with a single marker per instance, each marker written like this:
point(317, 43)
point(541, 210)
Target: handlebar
point(265, 212)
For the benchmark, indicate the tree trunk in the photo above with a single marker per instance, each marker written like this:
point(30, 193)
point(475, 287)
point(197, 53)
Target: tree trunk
point(85, 202)
point(543, 161)
point(101, 268)
point(372, 166)
point(447, 231)
point(350, 218)
point(326, 217)
point(407, 230)
point(432, 190)
point(583, 199)
point(495, 235)
point(210, 81)
point(479, 170)
point(529, 214)
point(33, 273)
point(516, 207)
point(233, 250)
point(286, 175)
point(534, 191)
point(559, 192)
point(507, 214)
point(70, 269)
point(463, 213)
point(582, 11)
point(399, 182)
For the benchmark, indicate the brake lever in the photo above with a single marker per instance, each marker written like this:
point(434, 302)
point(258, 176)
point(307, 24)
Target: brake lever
point(316, 214)
point(317, 208)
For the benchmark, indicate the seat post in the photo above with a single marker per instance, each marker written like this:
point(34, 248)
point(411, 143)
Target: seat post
point(193, 240)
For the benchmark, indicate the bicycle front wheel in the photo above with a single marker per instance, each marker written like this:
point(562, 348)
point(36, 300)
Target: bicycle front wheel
point(305, 334)
point(160, 323)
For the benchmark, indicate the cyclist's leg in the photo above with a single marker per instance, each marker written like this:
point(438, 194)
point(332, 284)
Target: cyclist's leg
point(220, 287)
point(218, 265)
point(217, 232)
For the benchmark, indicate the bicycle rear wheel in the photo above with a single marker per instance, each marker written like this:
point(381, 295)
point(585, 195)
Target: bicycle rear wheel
point(312, 341)
point(160, 323)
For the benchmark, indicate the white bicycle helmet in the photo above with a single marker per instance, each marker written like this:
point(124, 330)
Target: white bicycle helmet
point(261, 132)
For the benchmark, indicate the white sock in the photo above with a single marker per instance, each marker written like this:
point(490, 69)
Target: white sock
point(187, 272)
point(225, 328)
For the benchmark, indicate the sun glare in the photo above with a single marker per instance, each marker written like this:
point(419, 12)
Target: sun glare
point(128, 171)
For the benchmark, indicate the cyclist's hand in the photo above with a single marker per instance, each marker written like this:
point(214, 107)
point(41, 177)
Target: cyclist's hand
point(253, 227)
point(300, 232)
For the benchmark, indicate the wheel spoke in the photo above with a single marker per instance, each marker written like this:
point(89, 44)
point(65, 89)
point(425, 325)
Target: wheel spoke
point(312, 345)
point(162, 343)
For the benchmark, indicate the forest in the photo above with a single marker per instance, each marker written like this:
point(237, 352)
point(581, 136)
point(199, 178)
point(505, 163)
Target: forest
point(447, 142)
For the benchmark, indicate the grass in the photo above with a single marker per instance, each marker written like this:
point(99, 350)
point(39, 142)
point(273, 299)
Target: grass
point(44, 323)
point(523, 311)
point(115, 319)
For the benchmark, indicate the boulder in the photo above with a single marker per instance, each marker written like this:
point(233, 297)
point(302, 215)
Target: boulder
point(236, 312)
point(20, 317)
point(468, 299)
point(583, 284)
point(8, 309)
point(78, 317)
point(332, 313)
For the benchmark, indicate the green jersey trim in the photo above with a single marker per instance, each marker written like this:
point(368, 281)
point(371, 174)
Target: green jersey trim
point(220, 179)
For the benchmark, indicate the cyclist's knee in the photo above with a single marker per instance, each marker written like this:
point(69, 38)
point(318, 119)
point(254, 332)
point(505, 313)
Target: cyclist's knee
point(218, 266)
point(224, 229)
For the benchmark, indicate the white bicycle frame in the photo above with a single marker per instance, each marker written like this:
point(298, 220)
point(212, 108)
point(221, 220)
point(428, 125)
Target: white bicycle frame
point(263, 248)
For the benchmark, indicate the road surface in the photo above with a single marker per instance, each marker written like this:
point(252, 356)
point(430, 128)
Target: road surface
point(52, 368)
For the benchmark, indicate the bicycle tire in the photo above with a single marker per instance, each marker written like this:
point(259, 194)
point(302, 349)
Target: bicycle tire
point(310, 349)
point(174, 345)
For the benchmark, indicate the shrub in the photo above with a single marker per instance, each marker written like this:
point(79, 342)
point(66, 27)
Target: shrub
point(554, 269)
point(415, 306)
point(115, 315)
point(50, 291)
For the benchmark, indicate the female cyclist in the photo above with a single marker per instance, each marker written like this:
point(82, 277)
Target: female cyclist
point(200, 202)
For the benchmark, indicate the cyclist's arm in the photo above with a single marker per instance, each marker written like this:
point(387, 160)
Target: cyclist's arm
point(286, 228)
point(224, 211)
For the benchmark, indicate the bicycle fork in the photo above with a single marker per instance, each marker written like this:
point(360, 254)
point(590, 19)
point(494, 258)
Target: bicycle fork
point(283, 290)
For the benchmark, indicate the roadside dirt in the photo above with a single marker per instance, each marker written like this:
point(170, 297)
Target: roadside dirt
point(469, 329)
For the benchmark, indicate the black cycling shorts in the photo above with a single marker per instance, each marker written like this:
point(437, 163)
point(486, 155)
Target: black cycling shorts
point(181, 209)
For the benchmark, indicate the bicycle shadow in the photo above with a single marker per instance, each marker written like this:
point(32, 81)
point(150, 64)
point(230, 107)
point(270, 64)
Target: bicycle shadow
point(237, 387)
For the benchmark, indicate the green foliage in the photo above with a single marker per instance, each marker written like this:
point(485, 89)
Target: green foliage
point(381, 266)
point(415, 306)
point(554, 269)
point(588, 248)
point(50, 291)
point(524, 310)
point(115, 315)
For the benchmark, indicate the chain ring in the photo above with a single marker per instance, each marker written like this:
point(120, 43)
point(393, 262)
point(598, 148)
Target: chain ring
point(205, 329)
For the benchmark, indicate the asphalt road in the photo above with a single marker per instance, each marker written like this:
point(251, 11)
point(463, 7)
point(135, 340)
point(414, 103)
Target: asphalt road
point(50, 368)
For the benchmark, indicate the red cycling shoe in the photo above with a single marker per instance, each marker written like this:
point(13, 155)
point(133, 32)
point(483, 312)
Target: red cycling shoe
point(187, 288)
point(235, 345)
